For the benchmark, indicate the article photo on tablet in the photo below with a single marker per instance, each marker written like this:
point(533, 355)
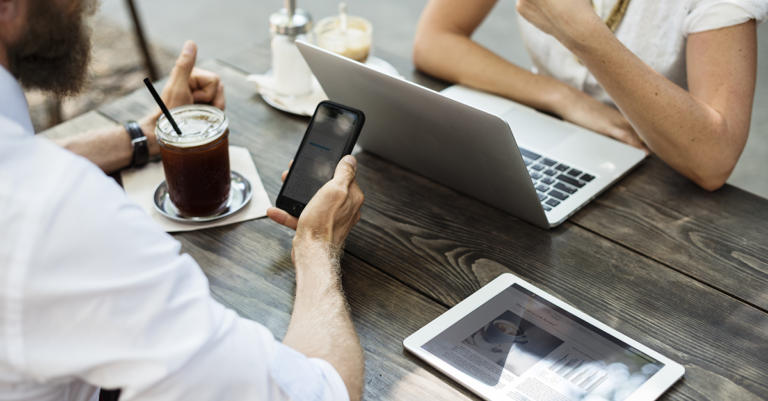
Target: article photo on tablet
point(512, 341)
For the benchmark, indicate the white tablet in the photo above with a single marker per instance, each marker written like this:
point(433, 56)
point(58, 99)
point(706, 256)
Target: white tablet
point(513, 341)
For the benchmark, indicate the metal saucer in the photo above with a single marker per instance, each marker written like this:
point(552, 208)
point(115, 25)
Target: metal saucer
point(240, 193)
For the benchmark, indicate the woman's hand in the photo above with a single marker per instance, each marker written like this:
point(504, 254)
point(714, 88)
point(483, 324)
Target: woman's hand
point(566, 20)
point(583, 110)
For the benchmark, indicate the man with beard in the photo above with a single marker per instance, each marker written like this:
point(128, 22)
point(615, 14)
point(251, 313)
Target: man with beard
point(94, 295)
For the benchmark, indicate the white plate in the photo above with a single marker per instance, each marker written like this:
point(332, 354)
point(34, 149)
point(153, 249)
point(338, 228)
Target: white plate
point(305, 105)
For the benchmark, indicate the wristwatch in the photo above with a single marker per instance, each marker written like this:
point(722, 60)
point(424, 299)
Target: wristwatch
point(139, 142)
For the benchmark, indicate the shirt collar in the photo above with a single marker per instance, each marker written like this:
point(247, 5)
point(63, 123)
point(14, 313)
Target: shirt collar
point(14, 105)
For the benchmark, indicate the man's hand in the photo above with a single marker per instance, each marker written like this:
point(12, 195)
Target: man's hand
point(566, 20)
point(330, 214)
point(186, 85)
point(583, 110)
point(321, 326)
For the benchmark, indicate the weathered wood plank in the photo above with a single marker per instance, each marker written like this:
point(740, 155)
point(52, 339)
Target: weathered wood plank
point(250, 270)
point(719, 238)
point(447, 245)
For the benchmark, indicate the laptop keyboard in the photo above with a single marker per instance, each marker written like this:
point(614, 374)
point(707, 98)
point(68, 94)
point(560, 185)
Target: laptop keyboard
point(554, 181)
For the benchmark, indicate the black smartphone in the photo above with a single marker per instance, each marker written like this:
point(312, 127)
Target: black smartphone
point(331, 134)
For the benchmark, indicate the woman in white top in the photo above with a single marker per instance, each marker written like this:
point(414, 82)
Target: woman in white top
point(675, 77)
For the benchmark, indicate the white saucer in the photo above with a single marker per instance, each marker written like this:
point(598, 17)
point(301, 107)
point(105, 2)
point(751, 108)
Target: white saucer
point(305, 105)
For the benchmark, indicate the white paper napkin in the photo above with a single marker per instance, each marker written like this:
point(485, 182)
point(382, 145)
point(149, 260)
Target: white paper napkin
point(140, 185)
point(303, 105)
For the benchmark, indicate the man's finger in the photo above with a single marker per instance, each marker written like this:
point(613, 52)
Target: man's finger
point(282, 217)
point(284, 175)
point(185, 63)
point(219, 100)
point(201, 77)
point(205, 95)
point(345, 170)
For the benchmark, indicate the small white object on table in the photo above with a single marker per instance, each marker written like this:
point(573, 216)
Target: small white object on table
point(304, 105)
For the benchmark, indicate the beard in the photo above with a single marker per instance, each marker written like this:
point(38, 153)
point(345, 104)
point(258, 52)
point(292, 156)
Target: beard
point(54, 52)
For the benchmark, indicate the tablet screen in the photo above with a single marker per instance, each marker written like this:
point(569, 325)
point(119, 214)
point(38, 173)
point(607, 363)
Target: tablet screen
point(530, 349)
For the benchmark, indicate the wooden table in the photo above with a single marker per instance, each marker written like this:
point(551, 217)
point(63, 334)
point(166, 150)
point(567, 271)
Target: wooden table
point(681, 270)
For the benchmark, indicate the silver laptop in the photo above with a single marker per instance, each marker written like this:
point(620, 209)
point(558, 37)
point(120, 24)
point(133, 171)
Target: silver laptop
point(541, 170)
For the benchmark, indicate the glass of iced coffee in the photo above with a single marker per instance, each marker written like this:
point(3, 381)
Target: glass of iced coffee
point(196, 163)
point(348, 36)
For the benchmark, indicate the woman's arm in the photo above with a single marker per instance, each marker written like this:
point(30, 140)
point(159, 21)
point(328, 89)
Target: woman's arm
point(443, 48)
point(700, 133)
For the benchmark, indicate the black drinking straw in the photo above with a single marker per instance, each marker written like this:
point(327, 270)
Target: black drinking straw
point(162, 105)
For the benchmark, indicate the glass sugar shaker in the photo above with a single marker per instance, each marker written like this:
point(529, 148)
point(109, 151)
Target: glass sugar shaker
point(291, 74)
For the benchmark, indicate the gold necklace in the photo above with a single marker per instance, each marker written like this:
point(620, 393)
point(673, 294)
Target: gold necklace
point(617, 14)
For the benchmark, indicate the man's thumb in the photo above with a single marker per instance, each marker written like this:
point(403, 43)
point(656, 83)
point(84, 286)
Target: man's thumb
point(345, 170)
point(186, 62)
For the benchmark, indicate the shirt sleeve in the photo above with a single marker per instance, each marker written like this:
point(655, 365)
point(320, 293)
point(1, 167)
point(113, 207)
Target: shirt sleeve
point(109, 299)
point(706, 15)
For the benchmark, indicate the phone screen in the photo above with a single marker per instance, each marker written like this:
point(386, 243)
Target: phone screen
point(331, 135)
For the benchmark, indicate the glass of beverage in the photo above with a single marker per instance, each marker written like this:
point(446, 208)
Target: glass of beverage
point(348, 36)
point(196, 164)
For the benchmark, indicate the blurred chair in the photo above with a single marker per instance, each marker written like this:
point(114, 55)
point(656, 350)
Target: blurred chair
point(138, 30)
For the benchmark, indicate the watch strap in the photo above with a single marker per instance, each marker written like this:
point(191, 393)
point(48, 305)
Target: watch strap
point(139, 142)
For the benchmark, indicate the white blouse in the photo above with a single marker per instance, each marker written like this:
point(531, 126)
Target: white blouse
point(654, 30)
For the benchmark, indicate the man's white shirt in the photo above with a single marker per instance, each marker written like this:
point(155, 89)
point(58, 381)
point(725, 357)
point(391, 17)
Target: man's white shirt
point(94, 294)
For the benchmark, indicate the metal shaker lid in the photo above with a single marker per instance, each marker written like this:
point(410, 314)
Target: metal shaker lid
point(290, 20)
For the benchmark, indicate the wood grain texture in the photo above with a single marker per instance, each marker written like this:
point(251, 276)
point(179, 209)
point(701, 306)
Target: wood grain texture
point(719, 238)
point(249, 269)
point(447, 245)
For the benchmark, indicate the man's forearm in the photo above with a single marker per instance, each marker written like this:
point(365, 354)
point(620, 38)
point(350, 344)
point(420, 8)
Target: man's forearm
point(321, 326)
point(110, 148)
